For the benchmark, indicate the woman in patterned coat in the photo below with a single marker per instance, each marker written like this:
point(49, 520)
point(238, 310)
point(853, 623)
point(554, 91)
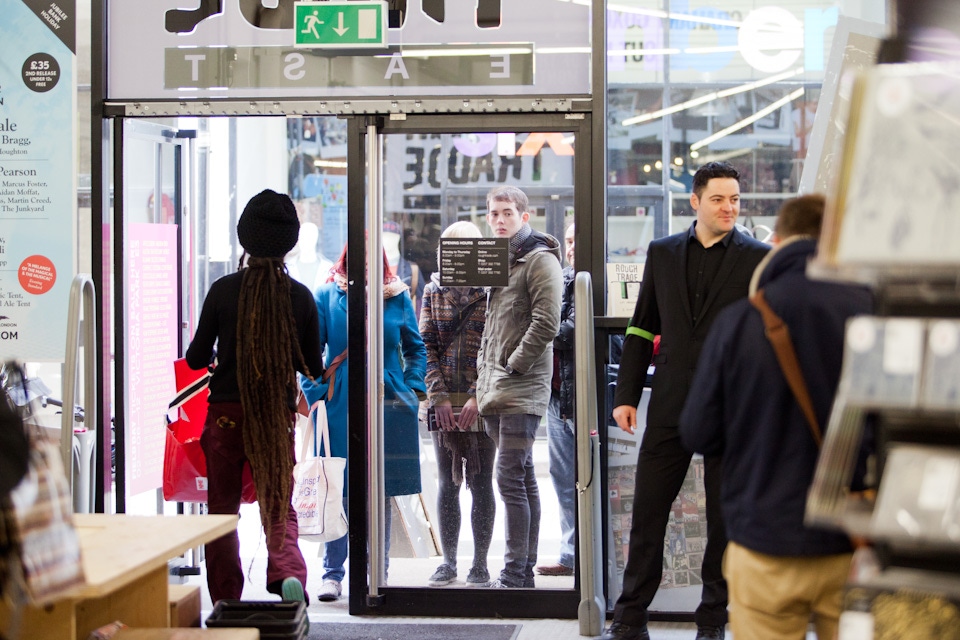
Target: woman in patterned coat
point(451, 324)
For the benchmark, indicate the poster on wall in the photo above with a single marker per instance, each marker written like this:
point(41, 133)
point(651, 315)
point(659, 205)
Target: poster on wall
point(37, 176)
point(150, 253)
point(623, 288)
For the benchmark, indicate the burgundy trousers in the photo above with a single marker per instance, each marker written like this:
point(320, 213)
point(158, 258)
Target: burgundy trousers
point(222, 442)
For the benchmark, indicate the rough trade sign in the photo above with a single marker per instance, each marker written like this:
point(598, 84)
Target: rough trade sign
point(246, 49)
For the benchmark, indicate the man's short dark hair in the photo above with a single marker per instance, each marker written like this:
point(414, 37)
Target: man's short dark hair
point(712, 170)
point(509, 193)
point(801, 216)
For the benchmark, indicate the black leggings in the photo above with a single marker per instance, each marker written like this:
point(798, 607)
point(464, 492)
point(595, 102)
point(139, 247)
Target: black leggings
point(448, 504)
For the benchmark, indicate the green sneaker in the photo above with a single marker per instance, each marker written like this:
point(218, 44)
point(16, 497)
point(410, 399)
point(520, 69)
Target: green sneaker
point(292, 589)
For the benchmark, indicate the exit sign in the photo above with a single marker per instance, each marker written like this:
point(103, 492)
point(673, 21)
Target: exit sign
point(333, 25)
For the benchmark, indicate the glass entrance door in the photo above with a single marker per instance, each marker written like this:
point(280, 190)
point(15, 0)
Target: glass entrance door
point(435, 171)
point(450, 533)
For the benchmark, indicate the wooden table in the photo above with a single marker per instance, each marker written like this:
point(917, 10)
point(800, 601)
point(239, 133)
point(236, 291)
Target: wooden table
point(125, 561)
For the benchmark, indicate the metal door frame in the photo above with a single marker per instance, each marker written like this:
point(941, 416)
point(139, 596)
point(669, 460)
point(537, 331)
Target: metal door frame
point(182, 141)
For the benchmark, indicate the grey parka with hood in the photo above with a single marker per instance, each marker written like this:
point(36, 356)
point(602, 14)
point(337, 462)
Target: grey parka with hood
point(522, 321)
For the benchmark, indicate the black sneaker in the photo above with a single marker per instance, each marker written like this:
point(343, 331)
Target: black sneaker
point(478, 577)
point(444, 575)
point(500, 584)
point(710, 633)
point(620, 631)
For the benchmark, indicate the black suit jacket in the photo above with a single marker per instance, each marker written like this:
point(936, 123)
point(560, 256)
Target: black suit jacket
point(663, 309)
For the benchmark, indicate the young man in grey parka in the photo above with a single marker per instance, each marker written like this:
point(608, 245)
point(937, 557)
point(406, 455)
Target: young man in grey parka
point(514, 369)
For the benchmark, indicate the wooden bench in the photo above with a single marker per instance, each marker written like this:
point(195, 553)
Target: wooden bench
point(188, 634)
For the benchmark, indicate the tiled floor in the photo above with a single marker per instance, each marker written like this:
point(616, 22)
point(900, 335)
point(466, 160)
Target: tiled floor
point(415, 571)
point(541, 629)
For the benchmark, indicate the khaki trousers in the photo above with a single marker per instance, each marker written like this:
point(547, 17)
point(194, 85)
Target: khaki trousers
point(773, 597)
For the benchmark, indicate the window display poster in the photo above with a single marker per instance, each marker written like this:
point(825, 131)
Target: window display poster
point(686, 533)
point(150, 285)
point(623, 288)
point(37, 177)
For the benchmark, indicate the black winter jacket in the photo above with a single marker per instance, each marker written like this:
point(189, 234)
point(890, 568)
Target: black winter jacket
point(563, 349)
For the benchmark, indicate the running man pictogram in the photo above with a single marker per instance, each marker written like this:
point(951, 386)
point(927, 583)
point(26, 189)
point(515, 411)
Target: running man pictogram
point(311, 21)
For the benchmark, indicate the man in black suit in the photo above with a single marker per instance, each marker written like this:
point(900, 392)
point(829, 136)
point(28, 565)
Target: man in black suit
point(688, 278)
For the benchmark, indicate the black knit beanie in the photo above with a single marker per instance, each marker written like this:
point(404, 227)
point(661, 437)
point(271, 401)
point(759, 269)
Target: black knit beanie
point(268, 226)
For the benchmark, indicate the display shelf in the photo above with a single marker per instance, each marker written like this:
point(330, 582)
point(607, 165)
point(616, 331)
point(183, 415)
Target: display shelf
point(895, 418)
point(905, 604)
point(893, 232)
point(914, 579)
point(899, 385)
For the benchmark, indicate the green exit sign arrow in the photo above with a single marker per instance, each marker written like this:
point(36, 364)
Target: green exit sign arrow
point(332, 25)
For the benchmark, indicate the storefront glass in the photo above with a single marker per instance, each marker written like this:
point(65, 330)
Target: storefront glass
point(693, 81)
point(690, 82)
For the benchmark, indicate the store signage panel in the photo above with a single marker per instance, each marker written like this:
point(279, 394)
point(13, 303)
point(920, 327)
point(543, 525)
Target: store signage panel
point(38, 169)
point(719, 40)
point(245, 49)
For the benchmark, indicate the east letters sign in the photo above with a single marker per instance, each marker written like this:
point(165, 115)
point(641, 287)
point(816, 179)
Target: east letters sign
point(246, 49)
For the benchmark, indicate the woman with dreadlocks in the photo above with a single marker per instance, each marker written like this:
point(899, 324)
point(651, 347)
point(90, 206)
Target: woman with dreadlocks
point(404, 365)
point(265, 328)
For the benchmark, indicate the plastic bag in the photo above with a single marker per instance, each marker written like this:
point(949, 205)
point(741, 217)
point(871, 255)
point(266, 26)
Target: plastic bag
point(184, 463)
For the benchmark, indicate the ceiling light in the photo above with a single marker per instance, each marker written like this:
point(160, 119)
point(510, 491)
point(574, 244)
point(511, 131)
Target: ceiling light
point(653, 115)
point(329, 164)
point(746, 121)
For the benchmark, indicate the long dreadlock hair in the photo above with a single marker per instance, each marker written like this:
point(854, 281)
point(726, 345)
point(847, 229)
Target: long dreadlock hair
point(267, 345)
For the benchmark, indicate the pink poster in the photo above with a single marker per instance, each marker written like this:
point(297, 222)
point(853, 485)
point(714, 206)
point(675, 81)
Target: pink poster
point(150, 287)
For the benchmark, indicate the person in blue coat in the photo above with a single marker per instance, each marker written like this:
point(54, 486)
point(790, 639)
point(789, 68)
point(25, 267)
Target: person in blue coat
point(404, 367)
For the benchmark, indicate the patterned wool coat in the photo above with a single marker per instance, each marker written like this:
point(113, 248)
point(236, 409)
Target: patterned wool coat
point(451, 325)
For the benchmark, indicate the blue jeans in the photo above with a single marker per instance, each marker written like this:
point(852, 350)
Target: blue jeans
point(335, 552)
point(514, 435)
point(562, 445)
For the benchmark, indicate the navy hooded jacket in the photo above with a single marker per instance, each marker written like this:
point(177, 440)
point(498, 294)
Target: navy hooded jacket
point(740, 405)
